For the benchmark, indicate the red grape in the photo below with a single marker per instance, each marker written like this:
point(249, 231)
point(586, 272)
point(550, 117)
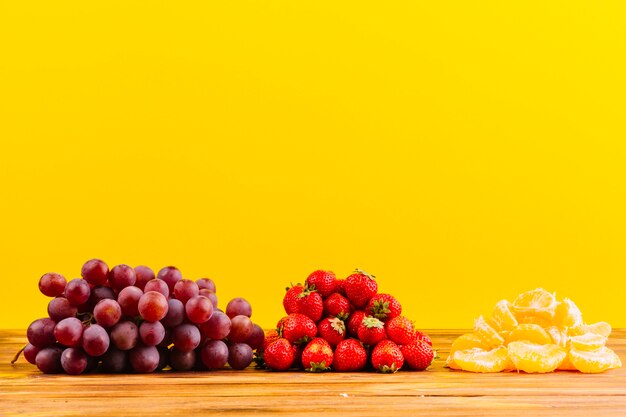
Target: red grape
point(171, 275)
point(206, 283)
point(74, 361)
point(182, 360)
point(214, 354)
point(107, 313)
point(158, 286)
point(48, 360)
point(199, 309)
point(128, 299)
point(115, 361)
point(121, 276)
point(77, 291)
point(95, 340)
point(144, 359)
point(95, 272)
point(175, 313)
point(218, 326)
point(52, 284)
point(185, 289)
point(69, 332)
point(144, 274)
point(239, 356)
point(40, 333)
point(153, 306)
point(125, 335)
point(60, 308)
point(256, 338)
point(240, 329)
point(238, 306)
point(151, 333)
point(100, 293)
point(30, 353)
point(210, 295)
point(186, 337)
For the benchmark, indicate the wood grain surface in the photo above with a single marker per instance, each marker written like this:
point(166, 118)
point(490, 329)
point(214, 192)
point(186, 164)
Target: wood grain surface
point(438, 391)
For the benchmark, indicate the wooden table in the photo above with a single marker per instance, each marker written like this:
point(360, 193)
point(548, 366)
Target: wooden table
point(438, 391)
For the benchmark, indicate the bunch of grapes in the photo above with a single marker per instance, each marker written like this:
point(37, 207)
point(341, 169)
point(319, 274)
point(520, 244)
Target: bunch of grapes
point(127, 319)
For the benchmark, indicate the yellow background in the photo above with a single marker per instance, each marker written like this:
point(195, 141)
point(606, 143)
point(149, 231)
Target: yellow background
point(461, 152)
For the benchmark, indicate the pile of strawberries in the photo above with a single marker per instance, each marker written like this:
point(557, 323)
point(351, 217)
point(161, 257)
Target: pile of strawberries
point(344, 325)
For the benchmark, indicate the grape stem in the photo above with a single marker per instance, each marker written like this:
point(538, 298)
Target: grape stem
point(17, 355)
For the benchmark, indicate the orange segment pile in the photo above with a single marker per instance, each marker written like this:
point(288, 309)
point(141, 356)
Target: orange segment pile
point(535, 333)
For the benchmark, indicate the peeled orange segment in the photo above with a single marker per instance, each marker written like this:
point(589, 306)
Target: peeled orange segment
point(451, 364)
point(533, 358)
point(587, 341)
point(567, 314)
point(467, 341)
point(487, 333)
point(537, 303)
point(503, 316)
point(594, 361)
point(533, 333)
point(558, 335)
point(602, 328)
point(480, 360)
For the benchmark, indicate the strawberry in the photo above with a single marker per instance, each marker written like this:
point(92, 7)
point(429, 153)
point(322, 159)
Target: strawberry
point(400, 330)
point(332, 330)
point(371, 331)
point(337, 305)
point(290, 298)
point(309, 302)
point(340, 286)
point(387, 357)
point(354, 321)
point(423, 337)
point(279, 355)
point(384, 307)
point(297, 355)
point(360, 287)
point(350, 355)
point(317, 356)
point(297, 328)
point(418, 355)
point(322, 281)
point(270, 336)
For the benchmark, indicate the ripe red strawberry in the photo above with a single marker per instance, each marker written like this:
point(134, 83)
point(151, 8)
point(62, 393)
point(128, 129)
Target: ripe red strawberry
point(317, 356)
point(332, 330)
point(270, 336)
point(350, 356)
point(297, 328)
point(400, 330)
point(290, 299)
point(279, 355)
point(384, 307)
point(371, 331)
point(340, 286)
point(387, 357)
point(360, 287)
point(354, 322)
point(309, 302)
point(418, 355)
point(323, 281)
point(423, 337)
point(336, 305)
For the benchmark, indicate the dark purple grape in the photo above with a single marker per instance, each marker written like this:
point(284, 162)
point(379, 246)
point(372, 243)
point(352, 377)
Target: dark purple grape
point(52, 284)
point(238, 307)
point(199, 309)
point(164, 354)
point(144, 359)
point(100, 293)
point(125, 335)
point(256, 338)
point(128, 299)
point(95, 340)
point(121, 276)
point(186, 337)
point(240, 329)
point(69, 332)
point(144, 274)
point(157, 285)
point(210, 295)
point(214, 354)
point(175, 313)
point(206, 283)
point(95, 272)
point(107, 313)
point(115, 361)
point(30, 353)
point(218, 326)
point(239, 356)
point(153, 306)
point(77, 291)
point(60, 308)
point(185, 289)
point(74, 361)
point(151, 333)
point(48, 360)
point(40, 333)
point(181, 360)
point(171, 275)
